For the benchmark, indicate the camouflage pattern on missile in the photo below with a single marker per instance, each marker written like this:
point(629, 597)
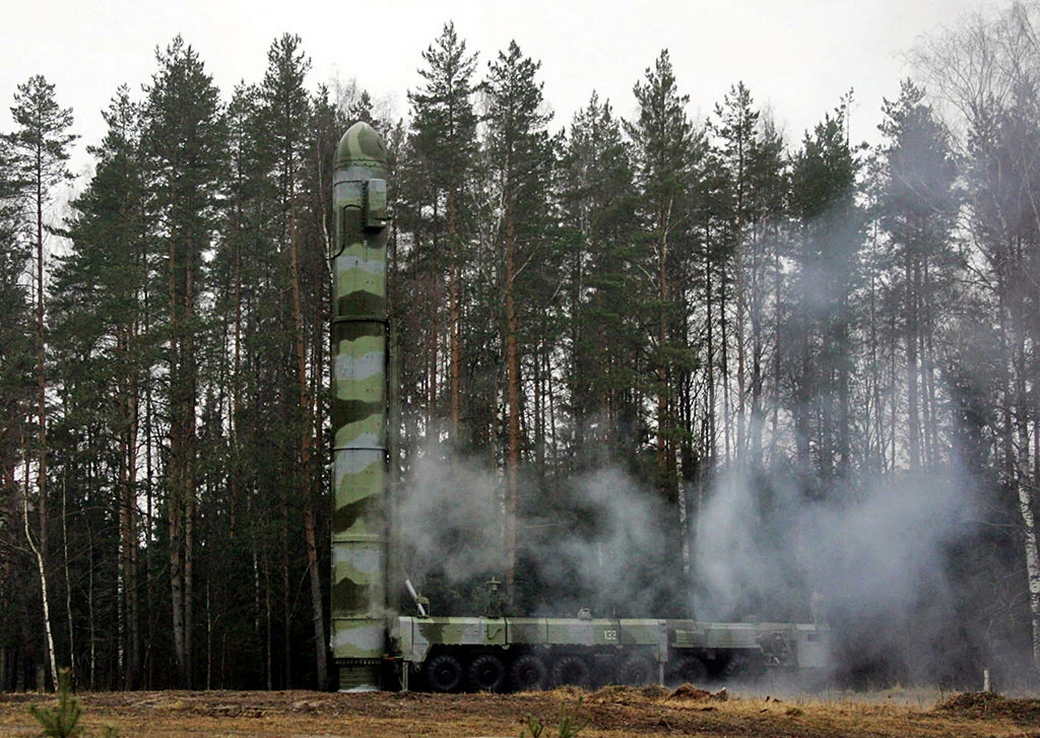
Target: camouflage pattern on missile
point(359, 521)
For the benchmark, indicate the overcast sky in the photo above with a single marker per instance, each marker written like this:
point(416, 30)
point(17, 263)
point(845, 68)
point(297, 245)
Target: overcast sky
point(798, 57)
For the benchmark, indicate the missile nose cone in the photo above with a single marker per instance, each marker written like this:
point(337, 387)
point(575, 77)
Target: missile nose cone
point(361, 146)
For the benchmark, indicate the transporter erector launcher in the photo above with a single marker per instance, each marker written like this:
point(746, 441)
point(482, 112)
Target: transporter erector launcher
point(374, 647)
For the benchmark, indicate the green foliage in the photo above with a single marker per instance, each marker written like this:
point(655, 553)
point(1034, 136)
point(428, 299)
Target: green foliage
point(40, 145)
point(568, 726)
point(61, 721)
point(533, 727)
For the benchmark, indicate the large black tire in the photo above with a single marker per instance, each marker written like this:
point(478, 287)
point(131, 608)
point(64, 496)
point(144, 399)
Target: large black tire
point(604, 669)
point(573, 670)
point(487, 673)
point(740, 666)
point(637, 670)
point(732, 667)
point(444, 673)
point(689, 669)
point(528, 673)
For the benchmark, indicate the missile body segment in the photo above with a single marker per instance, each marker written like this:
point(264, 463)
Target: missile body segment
point(359, 521)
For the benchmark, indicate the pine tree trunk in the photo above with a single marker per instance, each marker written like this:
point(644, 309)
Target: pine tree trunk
point(188, 491)
point(90, 606)
point(539, 414)
point(286, 611)
point(182, 409)
point(757, 355)
point(741, 317)
point(844, 400)
point(777, 353)
point(512, 348)
point(727, 418)
point(151, 612)
point(68, 579)
point(664, 483)
point(305, 451)
point(710, 413)
point(454, 321)
point(803, 396)
point(433, 414)
point(127, 529)
point(913, 416)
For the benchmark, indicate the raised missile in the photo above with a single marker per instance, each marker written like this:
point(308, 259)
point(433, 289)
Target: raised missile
point(359, 330)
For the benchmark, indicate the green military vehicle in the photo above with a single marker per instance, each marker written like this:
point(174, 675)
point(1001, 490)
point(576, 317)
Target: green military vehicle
point(505, 653)
point(376, 648)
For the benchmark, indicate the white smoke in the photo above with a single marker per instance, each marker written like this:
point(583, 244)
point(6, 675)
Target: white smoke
point(872, 560)
point(596, 542)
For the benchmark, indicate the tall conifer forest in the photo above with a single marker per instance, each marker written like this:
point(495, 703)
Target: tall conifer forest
point(799, 373)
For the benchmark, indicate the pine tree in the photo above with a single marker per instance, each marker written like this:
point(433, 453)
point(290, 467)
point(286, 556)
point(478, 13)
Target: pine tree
point(17, 398)
point(520, 156)
point(244, 263)
point(40, 148)
point(16, 345)
point(823, 199)
point(735, 127)
point(61, 721)
point(100, 289)
point(665, 146)
point(598, 201)
point(185, 143)
point(444, 146)
point(918, 210)
point(285, 112)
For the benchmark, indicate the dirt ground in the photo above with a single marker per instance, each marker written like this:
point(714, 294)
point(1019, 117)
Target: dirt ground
point(611, 711)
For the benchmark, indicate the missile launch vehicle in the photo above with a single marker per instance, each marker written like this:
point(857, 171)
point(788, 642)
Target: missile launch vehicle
point(374, 647)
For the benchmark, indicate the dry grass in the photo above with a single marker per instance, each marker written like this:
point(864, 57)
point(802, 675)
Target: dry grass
point(612, 711)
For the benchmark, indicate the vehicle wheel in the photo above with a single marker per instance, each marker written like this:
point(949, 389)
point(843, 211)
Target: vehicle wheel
point(572, 670)
point(732, 667)
point(742, 666)
point(487, 673)
point(444, 673)
point(528, 673)
point(604, 669)
point(690, 669)
point(637, 670)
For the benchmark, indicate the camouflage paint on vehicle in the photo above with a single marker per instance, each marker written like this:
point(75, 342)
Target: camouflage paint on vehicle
point(786, 645)
point(359, 521)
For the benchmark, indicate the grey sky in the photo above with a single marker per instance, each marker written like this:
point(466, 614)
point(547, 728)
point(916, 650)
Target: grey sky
point(798, 57)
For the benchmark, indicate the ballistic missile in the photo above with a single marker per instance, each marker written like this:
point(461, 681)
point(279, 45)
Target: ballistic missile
point(359, 329)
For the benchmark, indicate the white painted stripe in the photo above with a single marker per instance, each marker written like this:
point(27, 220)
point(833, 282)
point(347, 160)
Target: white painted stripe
point(355, 461)
point(347, 262)
point(355, 368)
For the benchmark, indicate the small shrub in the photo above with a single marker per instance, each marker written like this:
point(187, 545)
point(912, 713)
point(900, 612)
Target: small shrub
point(569, 726)
point(533, 727)
point(61, 721)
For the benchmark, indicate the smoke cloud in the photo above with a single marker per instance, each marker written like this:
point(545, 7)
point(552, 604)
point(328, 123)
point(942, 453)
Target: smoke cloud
point(872, 561)
point(597, 541)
